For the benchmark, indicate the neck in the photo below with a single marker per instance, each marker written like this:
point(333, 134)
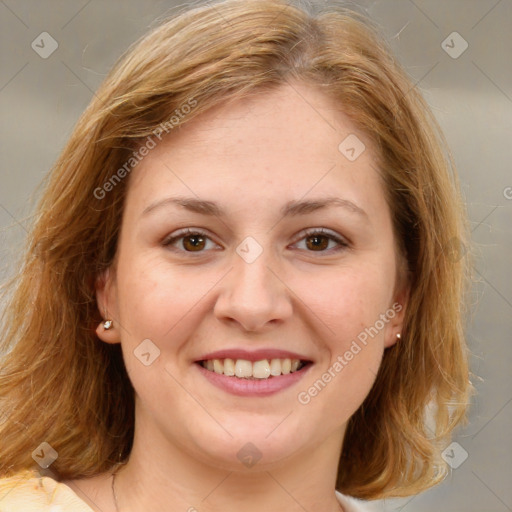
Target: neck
point(179, 482)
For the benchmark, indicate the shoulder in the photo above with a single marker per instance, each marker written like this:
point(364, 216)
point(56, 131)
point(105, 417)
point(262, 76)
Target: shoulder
point(31, 492)
point(350, 504)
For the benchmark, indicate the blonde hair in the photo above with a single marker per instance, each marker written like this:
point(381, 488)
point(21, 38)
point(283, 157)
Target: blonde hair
point(60, 384)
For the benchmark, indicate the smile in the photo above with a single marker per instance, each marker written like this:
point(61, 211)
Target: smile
point(259, 378)
point(245, 369)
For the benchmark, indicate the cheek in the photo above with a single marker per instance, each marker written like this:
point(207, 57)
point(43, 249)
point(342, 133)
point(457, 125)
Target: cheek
point(158, 303)
point(155, 296)
point(347, 301)
point(348, 308)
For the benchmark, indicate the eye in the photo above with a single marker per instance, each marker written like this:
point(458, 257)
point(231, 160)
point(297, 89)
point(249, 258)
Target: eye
point(317, 240)
point(193, 240)
point(196, 240)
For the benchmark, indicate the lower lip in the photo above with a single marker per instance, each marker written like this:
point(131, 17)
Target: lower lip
point(253, 387)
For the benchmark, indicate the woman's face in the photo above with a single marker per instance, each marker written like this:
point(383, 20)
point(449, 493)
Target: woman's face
point(220, 251)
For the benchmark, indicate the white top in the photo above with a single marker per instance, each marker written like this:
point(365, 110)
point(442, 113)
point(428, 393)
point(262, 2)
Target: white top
point(350, 504)
point(26, 491)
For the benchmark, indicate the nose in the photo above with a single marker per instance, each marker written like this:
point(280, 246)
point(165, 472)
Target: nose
point(253, 295)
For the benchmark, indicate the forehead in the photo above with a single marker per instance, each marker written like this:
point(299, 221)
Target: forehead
point(271, 148)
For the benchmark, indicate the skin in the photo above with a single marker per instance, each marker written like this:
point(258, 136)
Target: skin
point(251, 157)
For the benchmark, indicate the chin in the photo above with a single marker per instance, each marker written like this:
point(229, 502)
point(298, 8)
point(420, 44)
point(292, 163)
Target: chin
point(252, 444)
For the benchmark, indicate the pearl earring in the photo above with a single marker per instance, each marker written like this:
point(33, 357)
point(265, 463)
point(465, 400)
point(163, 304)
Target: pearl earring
point(398, 336)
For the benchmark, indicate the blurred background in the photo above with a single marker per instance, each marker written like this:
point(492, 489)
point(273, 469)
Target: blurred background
point(55, 53)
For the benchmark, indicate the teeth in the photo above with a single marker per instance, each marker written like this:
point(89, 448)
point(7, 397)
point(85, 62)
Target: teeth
point(218, 366)
point(244, 369)
point(275, 367)
point(229, 367)
point(261, 369)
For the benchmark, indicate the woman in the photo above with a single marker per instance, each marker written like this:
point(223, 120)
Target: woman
point(243, 284)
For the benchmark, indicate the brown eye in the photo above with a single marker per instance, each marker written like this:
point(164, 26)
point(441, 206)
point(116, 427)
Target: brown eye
point(318, 240)
point(314, 242)
point(189, 241)
point(194, 242)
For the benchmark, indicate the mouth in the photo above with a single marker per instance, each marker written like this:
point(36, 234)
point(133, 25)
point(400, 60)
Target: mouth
point(262, 369)
point(259, 377)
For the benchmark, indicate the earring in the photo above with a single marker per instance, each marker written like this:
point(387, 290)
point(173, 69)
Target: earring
point(398, 336)
point(107, 324)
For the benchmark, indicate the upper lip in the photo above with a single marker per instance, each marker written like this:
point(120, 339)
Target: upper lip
point(253, 355)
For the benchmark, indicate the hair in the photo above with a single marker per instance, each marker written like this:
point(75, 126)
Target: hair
point(60, 384)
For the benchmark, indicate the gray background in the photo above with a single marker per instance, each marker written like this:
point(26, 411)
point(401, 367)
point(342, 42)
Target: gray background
point(41, 99)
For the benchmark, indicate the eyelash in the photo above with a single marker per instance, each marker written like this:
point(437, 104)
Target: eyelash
point(342, 243)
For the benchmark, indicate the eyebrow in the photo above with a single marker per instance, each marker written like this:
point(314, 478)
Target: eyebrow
point(290, 209)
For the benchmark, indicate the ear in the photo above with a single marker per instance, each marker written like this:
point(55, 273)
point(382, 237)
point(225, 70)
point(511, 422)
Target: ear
point(396, 314)
point(106, 298)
